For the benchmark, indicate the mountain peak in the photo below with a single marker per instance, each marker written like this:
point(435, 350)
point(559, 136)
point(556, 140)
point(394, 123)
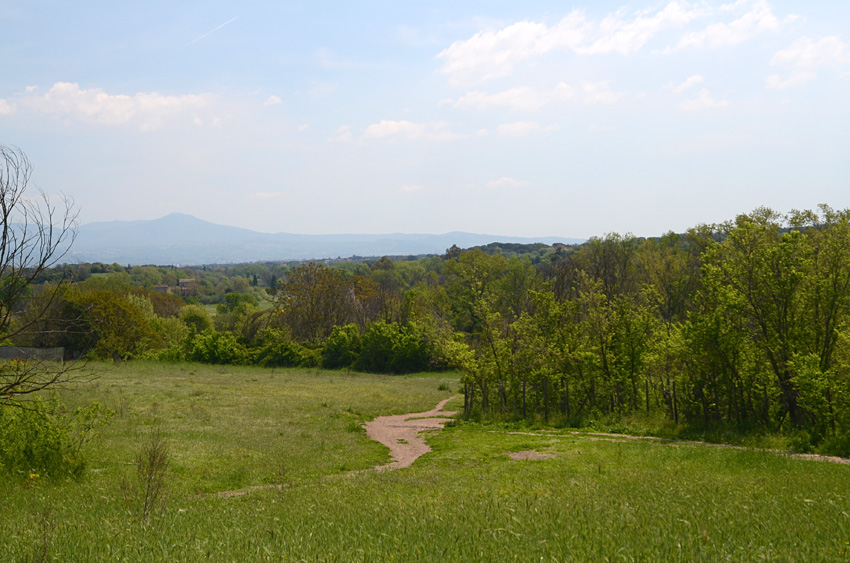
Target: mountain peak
point(178, 238)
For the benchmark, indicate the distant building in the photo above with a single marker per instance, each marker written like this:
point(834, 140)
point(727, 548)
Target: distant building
point(186, 287)
point(160, 288)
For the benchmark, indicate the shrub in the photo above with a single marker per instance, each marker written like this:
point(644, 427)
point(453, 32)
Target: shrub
point(278, 350)
point(39, 439)
point(213, 347)
point(412, 352)
point(386, 348)
point(342, 348)
point(196, 318)
point(377, 347)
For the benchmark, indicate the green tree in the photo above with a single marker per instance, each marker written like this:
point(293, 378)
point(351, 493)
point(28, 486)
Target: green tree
point(313, 300)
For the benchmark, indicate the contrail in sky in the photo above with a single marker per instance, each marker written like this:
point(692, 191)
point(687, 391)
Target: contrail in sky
point(212, 30)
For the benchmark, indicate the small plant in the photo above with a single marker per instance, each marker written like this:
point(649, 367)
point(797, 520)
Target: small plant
point(41, 438)
point(45, 527)
point(151, 485)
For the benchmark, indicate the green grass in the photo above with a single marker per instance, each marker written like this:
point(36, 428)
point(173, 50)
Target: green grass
point(238, 428)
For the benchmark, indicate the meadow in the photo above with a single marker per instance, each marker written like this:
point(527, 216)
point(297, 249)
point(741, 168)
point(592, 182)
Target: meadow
point(274, 465)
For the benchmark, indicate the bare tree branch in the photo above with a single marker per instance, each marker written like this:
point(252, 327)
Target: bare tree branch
point(37, 232)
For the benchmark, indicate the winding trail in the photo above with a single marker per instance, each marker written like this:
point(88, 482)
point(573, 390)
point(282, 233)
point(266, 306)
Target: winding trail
point(400, 433)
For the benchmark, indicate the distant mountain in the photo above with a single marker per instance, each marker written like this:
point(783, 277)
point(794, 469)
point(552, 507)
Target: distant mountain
point(183, 239)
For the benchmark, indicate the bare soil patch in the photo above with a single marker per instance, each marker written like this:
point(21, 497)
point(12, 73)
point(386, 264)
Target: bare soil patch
point(608, 437)
point(400, 433)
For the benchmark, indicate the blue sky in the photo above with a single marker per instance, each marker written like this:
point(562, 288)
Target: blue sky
point(532, 119)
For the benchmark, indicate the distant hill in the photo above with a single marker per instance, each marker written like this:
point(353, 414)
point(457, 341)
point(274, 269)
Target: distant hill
point(183, 239)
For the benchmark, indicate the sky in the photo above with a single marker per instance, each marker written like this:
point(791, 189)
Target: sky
point(531, 118)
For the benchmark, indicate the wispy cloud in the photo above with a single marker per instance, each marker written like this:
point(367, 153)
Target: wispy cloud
point(703, 101)
point(410, 188)
point(408, 130)
point(525, 98)
point(496, 53)
point(758, 19)
point(148, 110)
point(807, 53)
point(507, 183)
point(213, 30)
point(691, 81)
point(272, 101)
point(775, 82)
point(341, 135)
point(522, 128)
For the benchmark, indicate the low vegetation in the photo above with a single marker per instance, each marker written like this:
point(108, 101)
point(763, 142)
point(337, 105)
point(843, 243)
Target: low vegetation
point(273, 465)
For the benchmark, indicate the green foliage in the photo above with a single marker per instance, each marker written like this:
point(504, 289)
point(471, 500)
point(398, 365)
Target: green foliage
point(342, 348)
point(313, 300)
point(233, 301)
point(387, 348)
point(278, 350)
point(38, 439)
point(196, 318)
point(119, 328)
point(211, 347)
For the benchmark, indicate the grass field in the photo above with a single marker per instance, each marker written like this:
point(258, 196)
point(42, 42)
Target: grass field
point(274, 465)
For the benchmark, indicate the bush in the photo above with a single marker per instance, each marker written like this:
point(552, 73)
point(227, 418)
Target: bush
point(342, 348)
point(377, 347)
point(411, 353)
point(196, 318)
point(213, 347)
point(38, 439)
point(277, 350)
point(386, 348)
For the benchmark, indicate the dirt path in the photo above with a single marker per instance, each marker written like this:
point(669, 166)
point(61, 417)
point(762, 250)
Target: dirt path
point(400, 433)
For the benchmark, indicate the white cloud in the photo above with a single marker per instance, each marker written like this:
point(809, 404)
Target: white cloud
point(272, 101)
point(507, 183)
point(146, 109)
point(733, 6)
point(6, 108)
point(692, 81)
point(266, 195)
point(806, 53)
point(524, 98)
point(758, 19)
point(491, 54)
point(341, 135)
point(521, 98)
point(495, 53)
point(388, 129)
point(522, 128)
point(599, 93)
point(303, 127)
point(410, 188)
point(704, 100)
point(775, 81)
point(616, 35)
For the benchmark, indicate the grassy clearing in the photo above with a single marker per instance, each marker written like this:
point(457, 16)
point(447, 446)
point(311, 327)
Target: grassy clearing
point(238, 428)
